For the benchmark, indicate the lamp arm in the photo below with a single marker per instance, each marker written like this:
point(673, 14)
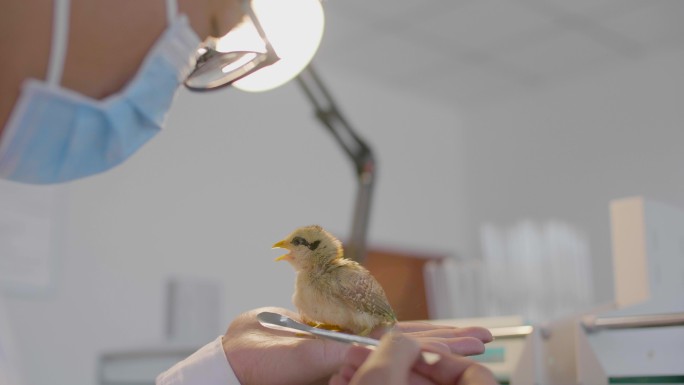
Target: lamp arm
point(358, 151)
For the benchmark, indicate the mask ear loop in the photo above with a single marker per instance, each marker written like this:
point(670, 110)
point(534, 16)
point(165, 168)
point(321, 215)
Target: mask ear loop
point(171, 10)
point(60, 40)
point(60, 37)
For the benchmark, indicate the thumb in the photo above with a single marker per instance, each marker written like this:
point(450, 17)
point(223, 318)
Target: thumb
point(397, 350)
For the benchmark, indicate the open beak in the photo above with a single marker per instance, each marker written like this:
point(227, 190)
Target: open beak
point(282, 245)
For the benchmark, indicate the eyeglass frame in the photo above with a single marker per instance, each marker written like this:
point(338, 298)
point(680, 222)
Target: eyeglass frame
point(262, 59)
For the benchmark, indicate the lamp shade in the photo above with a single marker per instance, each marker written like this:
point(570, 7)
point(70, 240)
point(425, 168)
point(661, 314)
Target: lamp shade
point(294, 29)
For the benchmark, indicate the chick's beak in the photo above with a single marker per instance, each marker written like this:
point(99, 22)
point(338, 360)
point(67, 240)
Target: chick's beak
point(282, 245)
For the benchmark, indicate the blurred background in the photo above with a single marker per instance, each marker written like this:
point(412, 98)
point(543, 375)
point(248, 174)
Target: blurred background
point(502, 130)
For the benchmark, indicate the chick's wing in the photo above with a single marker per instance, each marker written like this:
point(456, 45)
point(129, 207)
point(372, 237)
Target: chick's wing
point(360, 291)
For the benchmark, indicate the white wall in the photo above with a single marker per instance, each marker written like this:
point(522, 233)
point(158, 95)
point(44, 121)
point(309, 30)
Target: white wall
point(563, 153)
point(231, 174)
point(235, 172)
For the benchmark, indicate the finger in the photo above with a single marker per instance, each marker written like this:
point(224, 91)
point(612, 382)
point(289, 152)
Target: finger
point(414, 326)
point(419, 379)
point(356, 356)
point(438, 347)
point(348, 371)
point(391, 363)
point(338, 380)
point(343, 376)
point(401, 350)
point(466, 346)
point(482, 334)
point(429, 330)
point(478, 374)
point(453, 369)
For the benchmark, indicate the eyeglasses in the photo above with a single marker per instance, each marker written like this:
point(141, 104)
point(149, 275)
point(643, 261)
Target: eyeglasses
point(215, 69)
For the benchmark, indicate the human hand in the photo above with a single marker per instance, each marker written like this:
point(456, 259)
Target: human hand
point(397, 361)
point(265, 356)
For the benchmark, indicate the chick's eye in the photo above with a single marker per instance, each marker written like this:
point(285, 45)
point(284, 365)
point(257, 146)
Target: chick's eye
point(298, 241)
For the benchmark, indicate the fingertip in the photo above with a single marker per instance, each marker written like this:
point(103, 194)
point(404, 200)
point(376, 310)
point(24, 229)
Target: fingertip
point(403, 349)
point(467, 346)
point(478, 348)
point(483, 334)
point(488, 337)
point(337, 380)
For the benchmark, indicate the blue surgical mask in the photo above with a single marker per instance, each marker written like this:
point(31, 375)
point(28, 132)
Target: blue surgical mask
point(56, 135)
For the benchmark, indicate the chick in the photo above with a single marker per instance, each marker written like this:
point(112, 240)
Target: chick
point(330, 289)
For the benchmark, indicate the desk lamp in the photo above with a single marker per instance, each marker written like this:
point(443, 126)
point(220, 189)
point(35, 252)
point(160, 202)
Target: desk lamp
point(249, 60)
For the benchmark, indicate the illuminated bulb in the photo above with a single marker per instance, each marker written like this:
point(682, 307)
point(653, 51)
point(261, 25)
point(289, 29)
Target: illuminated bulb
point(294, 29)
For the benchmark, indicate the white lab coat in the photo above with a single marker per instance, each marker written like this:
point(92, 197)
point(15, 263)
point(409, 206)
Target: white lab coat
point(207, 366)
point(8, 359)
